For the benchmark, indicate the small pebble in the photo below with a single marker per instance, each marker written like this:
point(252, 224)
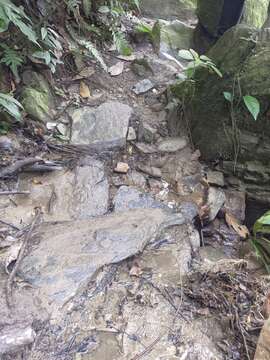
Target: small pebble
point(121, 168)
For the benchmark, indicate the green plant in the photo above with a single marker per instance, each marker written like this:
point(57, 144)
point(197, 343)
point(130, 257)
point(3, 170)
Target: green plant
point(11, 58)
point(112, 14)
point(51, 48)
point(260, 242)
point(196, 61)
point(10, 13)
point(251, 103)
point(11, 106)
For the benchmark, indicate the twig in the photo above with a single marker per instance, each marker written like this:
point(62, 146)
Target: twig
point(14, 192)
point(14, 168)
point(19, 260)
point(10, 225)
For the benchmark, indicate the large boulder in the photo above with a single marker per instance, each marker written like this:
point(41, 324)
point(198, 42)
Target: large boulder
point(171, 36)
point(231, 133)
point(170, 9)
point(69, 253)
point(217, 16)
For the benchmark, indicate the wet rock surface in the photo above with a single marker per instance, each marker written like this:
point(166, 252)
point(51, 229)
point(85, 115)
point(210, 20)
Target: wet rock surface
point(133, 256)
point(76, 250)
point(102, 128)
point(64, 195)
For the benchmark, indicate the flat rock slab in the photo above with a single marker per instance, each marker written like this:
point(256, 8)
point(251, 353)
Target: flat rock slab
point(143, 86)
point(68, 254)
point(128, 197)
point(172, 144)
point(78, 194)
point(102, 128)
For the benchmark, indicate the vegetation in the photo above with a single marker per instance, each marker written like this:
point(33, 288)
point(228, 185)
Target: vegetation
point(34, 38)
point(260, 240)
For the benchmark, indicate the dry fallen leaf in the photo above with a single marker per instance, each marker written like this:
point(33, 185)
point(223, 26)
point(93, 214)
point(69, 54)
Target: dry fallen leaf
point(241, 230)
point(116, 69)
point(85, 73)
point(84, 90)
point(266, 307)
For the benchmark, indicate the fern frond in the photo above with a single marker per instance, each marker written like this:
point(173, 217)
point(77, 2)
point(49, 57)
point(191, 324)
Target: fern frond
point(87, 6)
point(93, 51)
point(11, 106)
point(11, 58)
point(121, 43)
point(12, 13)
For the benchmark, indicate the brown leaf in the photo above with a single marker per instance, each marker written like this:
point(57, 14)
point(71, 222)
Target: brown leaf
point(84, 90)
point(85, 73)
point(135, 270)
point(241, 230)
point(116, 69)
point(266, 307)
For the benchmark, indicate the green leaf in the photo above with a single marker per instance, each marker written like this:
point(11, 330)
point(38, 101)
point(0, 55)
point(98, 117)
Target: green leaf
point(261, 223)
point(143, 28)
point(205, 58)
point(121, 44)
point(44, 55)
point(195, 54)
point(10, 105)
point(86, 4)
point(252, 105)
point(11, 58)
point(104, 9)
point(215, 69)
point(186, 55)
point(228, 96)
point(44, 33)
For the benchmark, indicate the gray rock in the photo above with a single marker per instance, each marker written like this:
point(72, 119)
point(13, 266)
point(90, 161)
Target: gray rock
point(131, 134)
point(131, 198)
point(236, 204)
point(103, 128)
point(216, 199)
point(172, 144)
point(143, 86)
point(146, 148)
point(189, 210)
point(215, 178)
point(15, 338)
point(134, 178)
point(65, 195)
point(170, 9)
point(171, 36)
point(70, 253)
point(150, 170)
point(146, 133)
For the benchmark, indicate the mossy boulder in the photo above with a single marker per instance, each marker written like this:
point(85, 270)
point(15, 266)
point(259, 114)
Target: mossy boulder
point(242, 55)
point(169, 9)
point(171, 36)
point(217, 16)
point(37, 97)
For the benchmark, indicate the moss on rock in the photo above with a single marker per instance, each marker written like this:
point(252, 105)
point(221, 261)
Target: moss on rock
point(37, 98)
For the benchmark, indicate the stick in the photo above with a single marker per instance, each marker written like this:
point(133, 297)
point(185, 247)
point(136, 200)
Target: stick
point(14, 192)
point(8, 224)
point(14, 168)
point(19, 260)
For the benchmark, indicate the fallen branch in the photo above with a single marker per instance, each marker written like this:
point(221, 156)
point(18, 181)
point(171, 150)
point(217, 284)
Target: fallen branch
point(19, 260)
point(14, 192)
point(14, 168)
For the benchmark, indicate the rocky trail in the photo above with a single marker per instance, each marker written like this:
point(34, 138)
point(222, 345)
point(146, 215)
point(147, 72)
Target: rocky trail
point(127, 246)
